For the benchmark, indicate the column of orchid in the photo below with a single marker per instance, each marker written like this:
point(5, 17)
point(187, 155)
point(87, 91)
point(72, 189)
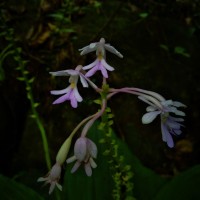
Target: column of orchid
point(85, 150)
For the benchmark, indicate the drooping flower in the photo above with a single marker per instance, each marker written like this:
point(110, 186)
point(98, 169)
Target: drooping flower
point(71, 92)
point(52, 178)
point(169, 125)
point(84, 152)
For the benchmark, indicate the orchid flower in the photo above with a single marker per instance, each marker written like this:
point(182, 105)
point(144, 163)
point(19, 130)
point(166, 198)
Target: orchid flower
point(71, 92)
point(100, 63)
point(84, 152)
point(52, 178)
point(169, 125)
point(100, 47)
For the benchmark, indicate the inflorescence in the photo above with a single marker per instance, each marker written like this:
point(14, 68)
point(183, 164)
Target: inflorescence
point(85, 150)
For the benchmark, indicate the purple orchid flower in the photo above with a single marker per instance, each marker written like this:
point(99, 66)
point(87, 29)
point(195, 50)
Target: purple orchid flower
point(169, 125)
point(84, 152)
point(71, 92)
point(100, 62)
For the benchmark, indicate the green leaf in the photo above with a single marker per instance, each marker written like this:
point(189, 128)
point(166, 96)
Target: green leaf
point(20, 78)
point(10, 189)
point(57, 16)
point(31, 80)
point(165, 47)
point(67, 30)
point(144, 15)
point(33, 116)
point(181, 51)
point(36, 105)
point(100, 185)
point(97, 101)
point(183, 187)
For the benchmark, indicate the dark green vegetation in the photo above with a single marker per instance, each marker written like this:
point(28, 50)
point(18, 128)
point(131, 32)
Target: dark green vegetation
point(160, 41)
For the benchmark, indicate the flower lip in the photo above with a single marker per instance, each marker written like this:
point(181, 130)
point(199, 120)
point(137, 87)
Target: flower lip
point(98, 65)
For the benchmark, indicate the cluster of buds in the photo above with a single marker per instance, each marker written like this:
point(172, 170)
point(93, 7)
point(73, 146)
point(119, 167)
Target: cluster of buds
point(85, 150)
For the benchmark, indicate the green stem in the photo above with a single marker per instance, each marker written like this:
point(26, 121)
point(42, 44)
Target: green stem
point(35, 113)
point(43, 135)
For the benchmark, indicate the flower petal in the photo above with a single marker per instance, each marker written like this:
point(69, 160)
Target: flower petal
point(52, 186)
point(89, 48)
point(151, 108)
point(177, 132)
point(92, 45)
point(60, 73)
point(178, 104)
point(104, 72)
point(176, 111)
point(176, 119)
point(77, 95)
point(173, 124)
point(91, 72)
point(55, 172)
point(71, 159)
point(180, 113)
point(92, 163)
point(62, 98)
point(41, 179)
point(90, 65)
point(58, 92)
point(80, 148)
point(167, 136)
point(88, 169)
point(72, 72)
point(59, 186)
point(92, 148)
point(76, 166)
point(163, 127)
point(83, 81)
point(149, 117)
point(73, 101)
point(113, 50)
point(106, 65)
point(167, 103)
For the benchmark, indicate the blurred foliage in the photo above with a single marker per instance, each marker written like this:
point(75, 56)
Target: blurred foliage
point(9, 189)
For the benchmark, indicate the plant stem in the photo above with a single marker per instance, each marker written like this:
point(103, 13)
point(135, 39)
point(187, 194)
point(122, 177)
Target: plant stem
point(34, 111)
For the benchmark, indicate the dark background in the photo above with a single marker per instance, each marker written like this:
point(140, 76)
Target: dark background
point(160, 41)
